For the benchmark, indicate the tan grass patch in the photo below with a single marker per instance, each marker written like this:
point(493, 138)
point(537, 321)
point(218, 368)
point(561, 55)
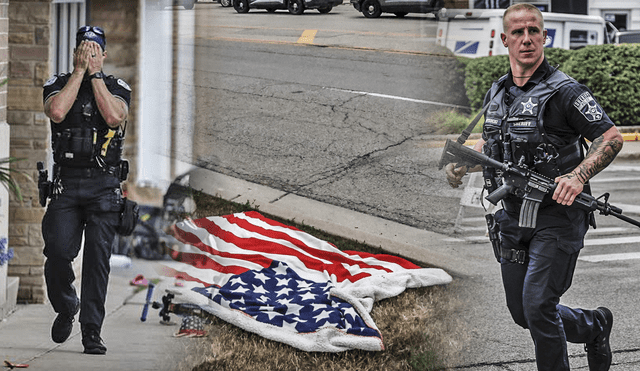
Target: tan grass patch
point(419, 328)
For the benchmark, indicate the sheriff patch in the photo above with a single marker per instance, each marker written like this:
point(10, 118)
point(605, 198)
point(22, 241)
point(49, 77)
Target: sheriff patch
point(588, 107)
point(530, 107)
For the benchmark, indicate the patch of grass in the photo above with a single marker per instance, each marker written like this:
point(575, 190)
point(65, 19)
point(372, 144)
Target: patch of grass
point(419, 327)
point(452, 121)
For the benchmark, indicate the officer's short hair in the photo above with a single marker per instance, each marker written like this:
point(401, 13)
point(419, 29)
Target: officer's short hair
point(522, 6)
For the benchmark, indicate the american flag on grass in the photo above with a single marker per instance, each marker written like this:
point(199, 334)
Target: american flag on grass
point(288, 286)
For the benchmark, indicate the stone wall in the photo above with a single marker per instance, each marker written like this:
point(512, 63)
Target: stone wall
point(29, 26)
point(30, 53)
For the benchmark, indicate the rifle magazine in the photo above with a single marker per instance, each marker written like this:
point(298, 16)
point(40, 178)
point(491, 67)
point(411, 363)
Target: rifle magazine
point(528, 214)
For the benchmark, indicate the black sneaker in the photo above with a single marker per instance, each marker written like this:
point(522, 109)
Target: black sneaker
point(92, 341)
point(598, 352)
point(63, 325)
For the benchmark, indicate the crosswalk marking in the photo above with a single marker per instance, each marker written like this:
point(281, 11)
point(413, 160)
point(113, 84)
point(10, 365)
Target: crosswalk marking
point(614, 180)
point(611, 241)
point(609, 230)
point(610, 257)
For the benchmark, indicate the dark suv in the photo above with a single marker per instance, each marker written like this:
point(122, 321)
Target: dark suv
point(373, 8)
point(294, 6)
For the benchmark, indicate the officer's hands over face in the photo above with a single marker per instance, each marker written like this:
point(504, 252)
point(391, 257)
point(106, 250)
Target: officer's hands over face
point(81, 57)
point(96, 59)
point(454, 175)
point(88, 57)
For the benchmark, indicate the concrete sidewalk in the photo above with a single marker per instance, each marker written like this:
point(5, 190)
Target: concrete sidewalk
point(132, 344)
point(135, 345)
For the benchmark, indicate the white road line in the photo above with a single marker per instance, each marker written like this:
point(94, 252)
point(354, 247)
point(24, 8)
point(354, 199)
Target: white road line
point(611, 241)
point(616, 180)
point(399, 98)
point(610, 257)
point(609, 230)
point(612, 168)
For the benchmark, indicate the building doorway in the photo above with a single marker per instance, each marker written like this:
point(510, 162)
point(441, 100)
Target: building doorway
point(620, 19)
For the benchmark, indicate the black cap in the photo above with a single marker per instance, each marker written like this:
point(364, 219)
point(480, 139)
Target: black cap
point(91, 33)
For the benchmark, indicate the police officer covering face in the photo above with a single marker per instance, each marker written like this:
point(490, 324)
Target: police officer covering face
point(87, 110)
point(537, 117)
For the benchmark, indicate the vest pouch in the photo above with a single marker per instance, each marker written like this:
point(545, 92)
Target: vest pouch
point(75, 147)
point(82, 143)
point(492, 130)
point(524, 137)
point(521, 152)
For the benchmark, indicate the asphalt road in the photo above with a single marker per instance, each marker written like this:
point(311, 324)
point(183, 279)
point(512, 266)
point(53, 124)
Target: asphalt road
point(346, 126)
point(345, 122)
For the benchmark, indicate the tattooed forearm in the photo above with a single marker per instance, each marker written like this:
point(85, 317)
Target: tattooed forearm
point(600, 155)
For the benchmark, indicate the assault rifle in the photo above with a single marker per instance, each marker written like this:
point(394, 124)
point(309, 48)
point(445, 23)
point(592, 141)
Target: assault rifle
point(530, 186)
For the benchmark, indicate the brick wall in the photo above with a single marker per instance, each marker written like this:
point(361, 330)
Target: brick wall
point(4, 56)
point(29, 55)
point(29, 69)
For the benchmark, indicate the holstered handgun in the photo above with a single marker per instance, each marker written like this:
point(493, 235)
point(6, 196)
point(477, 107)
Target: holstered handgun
point(124, 170)
point(44, 185)
point(494, 235)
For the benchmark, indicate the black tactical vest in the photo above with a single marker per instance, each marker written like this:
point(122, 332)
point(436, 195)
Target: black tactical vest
point(83, 138)
point(515, 133)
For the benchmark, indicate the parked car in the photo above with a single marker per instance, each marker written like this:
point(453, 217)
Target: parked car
point(296, 7)
point(226, 3)
point(373, 8)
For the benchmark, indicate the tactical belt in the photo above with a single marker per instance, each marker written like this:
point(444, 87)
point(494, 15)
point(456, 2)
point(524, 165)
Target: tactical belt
point(513, 255)
point(88, 172)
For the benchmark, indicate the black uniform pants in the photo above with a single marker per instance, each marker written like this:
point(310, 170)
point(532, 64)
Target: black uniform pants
point(533, 289)
point(89, 207)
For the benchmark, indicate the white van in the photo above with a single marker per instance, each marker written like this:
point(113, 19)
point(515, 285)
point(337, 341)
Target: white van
point(476, 32)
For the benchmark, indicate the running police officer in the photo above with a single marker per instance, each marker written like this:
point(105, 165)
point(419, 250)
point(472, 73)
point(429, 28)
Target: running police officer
point(537, 117)
point(87, 110)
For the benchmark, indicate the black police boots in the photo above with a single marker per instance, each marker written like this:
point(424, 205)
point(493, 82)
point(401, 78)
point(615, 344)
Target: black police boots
point(598, 351)
point(63, 325)
point(92, 341)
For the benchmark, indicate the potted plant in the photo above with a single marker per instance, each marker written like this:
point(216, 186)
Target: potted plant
point(6, 179)
point(8, 285)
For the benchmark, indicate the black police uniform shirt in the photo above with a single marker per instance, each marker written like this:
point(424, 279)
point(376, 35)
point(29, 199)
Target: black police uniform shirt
point(116, 86)
point(571, 111)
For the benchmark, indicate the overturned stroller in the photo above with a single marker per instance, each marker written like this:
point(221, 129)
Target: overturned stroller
point(150, 239)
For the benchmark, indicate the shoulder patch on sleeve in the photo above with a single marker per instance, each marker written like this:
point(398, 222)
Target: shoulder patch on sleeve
point(588, 107)
point(123, 84)
point(51, 81)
